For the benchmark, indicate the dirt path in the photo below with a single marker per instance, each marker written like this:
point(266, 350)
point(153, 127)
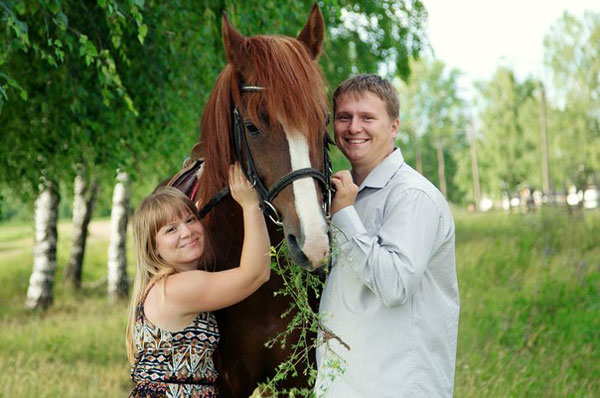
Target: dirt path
point(100, 229)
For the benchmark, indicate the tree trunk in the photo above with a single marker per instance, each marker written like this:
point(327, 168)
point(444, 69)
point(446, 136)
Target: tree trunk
point(83, 204)
point(475, 168)
point(441, 169)
point(39, 293)
point(117, 262)
point(546, 183)
point(419, 161)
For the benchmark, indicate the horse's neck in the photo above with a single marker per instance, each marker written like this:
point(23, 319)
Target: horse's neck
point(228, 241)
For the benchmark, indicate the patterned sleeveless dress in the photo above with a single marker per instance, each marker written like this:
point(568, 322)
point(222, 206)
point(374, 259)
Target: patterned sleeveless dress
point(175, 364)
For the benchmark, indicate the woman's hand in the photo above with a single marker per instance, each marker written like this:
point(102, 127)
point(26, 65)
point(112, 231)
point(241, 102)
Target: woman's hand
point(241, 190)
point(345, 191)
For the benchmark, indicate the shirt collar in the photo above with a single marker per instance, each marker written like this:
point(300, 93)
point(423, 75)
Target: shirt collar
point(381, 174)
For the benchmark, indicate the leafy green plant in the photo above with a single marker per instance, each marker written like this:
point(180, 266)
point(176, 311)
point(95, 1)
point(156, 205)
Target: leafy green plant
point(304, 322)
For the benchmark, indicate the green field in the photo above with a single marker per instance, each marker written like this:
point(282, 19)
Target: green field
point(529, 323)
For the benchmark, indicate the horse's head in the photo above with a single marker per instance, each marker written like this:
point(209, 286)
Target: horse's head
point(277, 89)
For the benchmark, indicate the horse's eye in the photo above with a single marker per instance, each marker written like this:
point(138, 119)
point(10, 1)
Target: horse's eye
point(251, 128)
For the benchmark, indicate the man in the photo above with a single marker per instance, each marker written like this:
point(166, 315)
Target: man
point(392, 294)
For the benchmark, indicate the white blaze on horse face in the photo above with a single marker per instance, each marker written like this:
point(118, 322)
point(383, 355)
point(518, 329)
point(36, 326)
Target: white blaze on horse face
point(308, 208)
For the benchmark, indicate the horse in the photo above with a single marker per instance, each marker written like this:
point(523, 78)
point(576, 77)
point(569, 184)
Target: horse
point(268, 110)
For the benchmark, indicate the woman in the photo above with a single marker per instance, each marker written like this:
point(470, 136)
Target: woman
point(171, 333)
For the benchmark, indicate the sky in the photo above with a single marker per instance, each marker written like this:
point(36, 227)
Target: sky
point(476, 36)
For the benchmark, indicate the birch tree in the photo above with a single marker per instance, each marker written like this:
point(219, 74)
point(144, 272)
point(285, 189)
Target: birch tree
point(117, 261)
point(39, 293)
point(83, 203)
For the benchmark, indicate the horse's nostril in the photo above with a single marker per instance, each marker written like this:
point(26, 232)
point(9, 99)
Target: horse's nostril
point(296, 253)
point(293, 243)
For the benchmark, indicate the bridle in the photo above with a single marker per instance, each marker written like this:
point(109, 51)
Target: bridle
point(266, 196)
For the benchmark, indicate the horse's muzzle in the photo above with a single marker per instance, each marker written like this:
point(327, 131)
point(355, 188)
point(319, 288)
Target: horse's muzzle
point(308, 258)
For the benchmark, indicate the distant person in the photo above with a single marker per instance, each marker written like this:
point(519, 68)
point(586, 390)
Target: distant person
point(171, 333)
point(392, 293)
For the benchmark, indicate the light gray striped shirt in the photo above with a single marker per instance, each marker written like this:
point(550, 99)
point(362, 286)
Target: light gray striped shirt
point(392, 294)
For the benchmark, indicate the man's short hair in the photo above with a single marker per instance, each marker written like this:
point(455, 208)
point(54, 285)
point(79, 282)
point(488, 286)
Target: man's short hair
point(376, 84)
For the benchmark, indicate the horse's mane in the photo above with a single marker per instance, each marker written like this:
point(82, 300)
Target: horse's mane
point(294, 95)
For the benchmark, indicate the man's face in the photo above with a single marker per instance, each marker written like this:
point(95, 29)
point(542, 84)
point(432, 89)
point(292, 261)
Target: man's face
point(364, 131)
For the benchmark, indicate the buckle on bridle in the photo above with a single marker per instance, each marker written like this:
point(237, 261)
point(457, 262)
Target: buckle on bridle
point(267, 208)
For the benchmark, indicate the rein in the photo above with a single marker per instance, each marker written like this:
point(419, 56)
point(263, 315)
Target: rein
point(266, 196)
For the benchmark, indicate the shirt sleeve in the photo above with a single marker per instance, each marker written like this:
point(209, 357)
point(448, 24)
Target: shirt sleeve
point(392, 262)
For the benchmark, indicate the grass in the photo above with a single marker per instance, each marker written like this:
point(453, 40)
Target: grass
point(529, 323)
point(76, 347)
point(530, 305)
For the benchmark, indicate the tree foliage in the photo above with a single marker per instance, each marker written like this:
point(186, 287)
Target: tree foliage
point(572, 54)
point(432, 113)
point(122, 84)
point(65, 59)
point(509, 135)
point(509, 144)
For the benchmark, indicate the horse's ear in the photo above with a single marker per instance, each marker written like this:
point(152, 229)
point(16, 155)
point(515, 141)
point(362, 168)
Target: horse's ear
point(234, 44)
point(313, 31)
point(197, 151)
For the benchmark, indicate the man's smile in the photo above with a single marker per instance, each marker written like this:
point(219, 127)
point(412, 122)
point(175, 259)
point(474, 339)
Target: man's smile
point(354, 141)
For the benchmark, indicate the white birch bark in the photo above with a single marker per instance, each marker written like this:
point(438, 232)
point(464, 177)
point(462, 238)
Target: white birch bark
point(83, 203)
point(39, 293)
point(117, 263)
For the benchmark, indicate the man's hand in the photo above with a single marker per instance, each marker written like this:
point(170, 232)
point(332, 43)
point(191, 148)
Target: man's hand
point(345, 191)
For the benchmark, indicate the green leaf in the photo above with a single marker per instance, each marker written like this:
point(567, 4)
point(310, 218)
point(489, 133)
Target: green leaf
point(15, 84)
point(139, 3)
point(142, 31)
point(61, 20)
point(53, 6)
point(21, 8)
point(130, 105)
point(116, 41)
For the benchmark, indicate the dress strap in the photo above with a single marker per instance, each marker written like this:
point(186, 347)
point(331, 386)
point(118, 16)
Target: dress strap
point(140, 306)
point(150, 286)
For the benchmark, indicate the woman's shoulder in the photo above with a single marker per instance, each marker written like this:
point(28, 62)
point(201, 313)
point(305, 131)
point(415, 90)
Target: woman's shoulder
point(161, 309)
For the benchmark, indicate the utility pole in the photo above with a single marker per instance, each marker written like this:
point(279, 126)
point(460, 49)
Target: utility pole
point(474, 166)
point(441, 168)
point(418, 157)
point(546, 184)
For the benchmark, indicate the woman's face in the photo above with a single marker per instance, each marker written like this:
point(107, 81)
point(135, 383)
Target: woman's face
point(180, 242)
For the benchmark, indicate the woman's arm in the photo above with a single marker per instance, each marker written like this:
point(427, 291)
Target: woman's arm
point(197, 291)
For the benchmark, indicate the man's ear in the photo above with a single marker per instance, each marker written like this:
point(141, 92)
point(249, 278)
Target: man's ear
point(395, 127)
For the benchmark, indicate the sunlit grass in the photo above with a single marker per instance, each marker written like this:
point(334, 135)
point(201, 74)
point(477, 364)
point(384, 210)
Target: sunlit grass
point(74, 349)
point(529, 323)
point(530, 319)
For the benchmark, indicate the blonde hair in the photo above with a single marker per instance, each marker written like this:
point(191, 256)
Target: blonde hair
point(152, 214)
